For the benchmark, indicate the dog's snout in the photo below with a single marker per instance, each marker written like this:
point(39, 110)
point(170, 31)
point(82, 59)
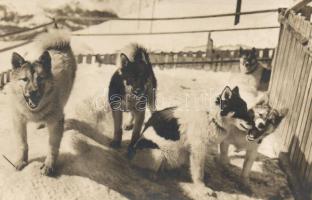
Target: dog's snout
point(261, 125)
point(34, 96)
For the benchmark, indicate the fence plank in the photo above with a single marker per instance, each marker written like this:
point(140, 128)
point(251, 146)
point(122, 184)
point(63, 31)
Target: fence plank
point(304, 69)
point(282, 68)
point(301, 59)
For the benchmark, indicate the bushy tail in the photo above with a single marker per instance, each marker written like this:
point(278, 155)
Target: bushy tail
point(54, 40)
point(5, 77)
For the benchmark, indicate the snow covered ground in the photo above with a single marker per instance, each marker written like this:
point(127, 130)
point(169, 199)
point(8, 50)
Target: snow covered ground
point(89, 169)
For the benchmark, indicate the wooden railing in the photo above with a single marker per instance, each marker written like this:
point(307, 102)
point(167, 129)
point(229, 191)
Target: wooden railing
point(217, 60)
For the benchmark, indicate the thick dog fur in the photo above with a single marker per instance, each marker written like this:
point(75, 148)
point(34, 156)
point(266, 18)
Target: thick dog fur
point(131, 88)
point(266, 121)
point(163, 153)
point(185, 135)
point(39, 91)
point(252, 68)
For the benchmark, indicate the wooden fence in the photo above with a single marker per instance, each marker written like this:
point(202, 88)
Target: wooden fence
point(291, 87)
point(217, 60)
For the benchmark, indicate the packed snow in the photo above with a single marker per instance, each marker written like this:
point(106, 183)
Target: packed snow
point(89, 169)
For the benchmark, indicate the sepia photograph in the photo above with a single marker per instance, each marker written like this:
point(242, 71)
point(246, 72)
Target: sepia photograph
point(155, 100)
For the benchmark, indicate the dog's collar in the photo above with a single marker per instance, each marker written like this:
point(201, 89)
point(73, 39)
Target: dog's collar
point(214, 121)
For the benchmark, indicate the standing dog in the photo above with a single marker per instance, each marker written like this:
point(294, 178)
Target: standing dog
point(39, 91)
point(131, 88)
point(252, 68)
point(266, 120)
point(184, 136)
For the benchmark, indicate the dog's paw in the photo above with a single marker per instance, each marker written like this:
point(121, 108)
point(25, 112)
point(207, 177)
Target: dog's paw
point(244, 186)
point(199, 191)
point(128, 127)
point(131, 152)
point(47, 170)
point(115, 144)
point(20, 165)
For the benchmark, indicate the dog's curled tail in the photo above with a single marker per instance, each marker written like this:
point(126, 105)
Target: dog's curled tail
point(55, 39)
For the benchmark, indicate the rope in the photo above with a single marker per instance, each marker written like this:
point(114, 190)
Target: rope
point(168, 18)
point(176, 32)
point(15, 46)
point(30, 29)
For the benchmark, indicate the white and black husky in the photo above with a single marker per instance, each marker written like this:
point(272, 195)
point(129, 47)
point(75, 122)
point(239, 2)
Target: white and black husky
point(184, 136)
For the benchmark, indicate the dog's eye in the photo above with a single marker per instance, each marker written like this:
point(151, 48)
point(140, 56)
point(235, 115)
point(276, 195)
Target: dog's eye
point(24, 79)
point(39, 79)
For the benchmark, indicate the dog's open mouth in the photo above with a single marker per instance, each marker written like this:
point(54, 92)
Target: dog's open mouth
point(250, 137)
point(33, 102)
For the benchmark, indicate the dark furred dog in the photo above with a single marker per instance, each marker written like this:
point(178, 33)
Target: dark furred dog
point(251, 67)
point(131, 89)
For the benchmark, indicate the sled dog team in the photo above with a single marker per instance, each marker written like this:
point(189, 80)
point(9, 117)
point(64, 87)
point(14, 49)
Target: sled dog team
point(40, 89)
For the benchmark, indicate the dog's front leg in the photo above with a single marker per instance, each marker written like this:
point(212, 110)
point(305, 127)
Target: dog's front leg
point(224, 148)
point(56, 129)
point(197, 163)
point(138, 122)
point(117, 118)
point(250, 157)
point(130, 123)
point(20, 131)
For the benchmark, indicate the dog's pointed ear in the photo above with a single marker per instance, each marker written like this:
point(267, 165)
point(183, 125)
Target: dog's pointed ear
point(124, 60)
point(264, 100)
point(145, 58)
point(278, 115)
point(253, 51)
point(283, 112)
point(226, 94)
point(17, 60)
point(45, 60)
point(240, 51)
point(235, 91)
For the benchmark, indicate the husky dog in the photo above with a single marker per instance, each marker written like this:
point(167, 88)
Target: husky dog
point(183, 136)
point(266, 120)
point(38, 92)
point(251, 67)
point(131, 88)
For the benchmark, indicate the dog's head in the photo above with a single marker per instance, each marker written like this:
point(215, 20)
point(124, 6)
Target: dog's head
point(266, 119)
point(32, 78)
point(233, 107)
point(135, 73)
point(248, 60)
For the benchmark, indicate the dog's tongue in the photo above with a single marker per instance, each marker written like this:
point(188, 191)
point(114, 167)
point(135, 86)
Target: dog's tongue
point(249, 136)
